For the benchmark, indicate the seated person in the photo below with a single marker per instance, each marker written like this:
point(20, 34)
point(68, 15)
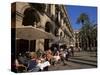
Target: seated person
point(32, 65)
point(23, 59)
point(63, 57)
point(49, 55)
point(56, 58)
point(19, 66)
point(43, 63)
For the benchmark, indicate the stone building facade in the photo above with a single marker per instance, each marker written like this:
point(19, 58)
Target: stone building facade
point(50, 18)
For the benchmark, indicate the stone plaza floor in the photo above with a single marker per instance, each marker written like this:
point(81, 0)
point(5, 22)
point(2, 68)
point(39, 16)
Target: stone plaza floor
point(80, 60)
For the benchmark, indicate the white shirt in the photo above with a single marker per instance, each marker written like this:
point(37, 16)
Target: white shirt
point(43, 65)
point(57, 57)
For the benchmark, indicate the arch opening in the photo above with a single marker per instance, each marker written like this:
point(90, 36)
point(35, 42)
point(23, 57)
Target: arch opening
point(30, 17)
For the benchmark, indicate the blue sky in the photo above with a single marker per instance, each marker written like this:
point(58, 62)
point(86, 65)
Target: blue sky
point(75, 11)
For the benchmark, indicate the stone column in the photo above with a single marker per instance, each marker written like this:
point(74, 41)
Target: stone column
point(62, 22)
point(52, 9)
point(59, 16)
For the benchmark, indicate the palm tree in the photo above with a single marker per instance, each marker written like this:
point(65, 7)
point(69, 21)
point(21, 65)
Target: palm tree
point(83, 18)
point(85, 31)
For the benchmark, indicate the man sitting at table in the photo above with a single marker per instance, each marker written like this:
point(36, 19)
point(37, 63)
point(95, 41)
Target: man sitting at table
point(43, 63)
point(32, 65)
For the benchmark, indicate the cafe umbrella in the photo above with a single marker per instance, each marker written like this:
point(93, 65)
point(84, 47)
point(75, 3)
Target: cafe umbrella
point(32, 33)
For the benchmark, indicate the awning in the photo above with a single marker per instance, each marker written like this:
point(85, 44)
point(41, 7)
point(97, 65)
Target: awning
point(32, 33)
point(66, 31)
point(58, 41)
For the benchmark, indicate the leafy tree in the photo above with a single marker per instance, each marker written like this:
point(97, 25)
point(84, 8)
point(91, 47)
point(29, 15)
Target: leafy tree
point(87, 33)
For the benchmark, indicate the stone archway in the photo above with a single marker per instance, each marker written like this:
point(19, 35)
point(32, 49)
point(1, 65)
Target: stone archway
point(30, 17)
point(47, 27)
point(22, 6)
